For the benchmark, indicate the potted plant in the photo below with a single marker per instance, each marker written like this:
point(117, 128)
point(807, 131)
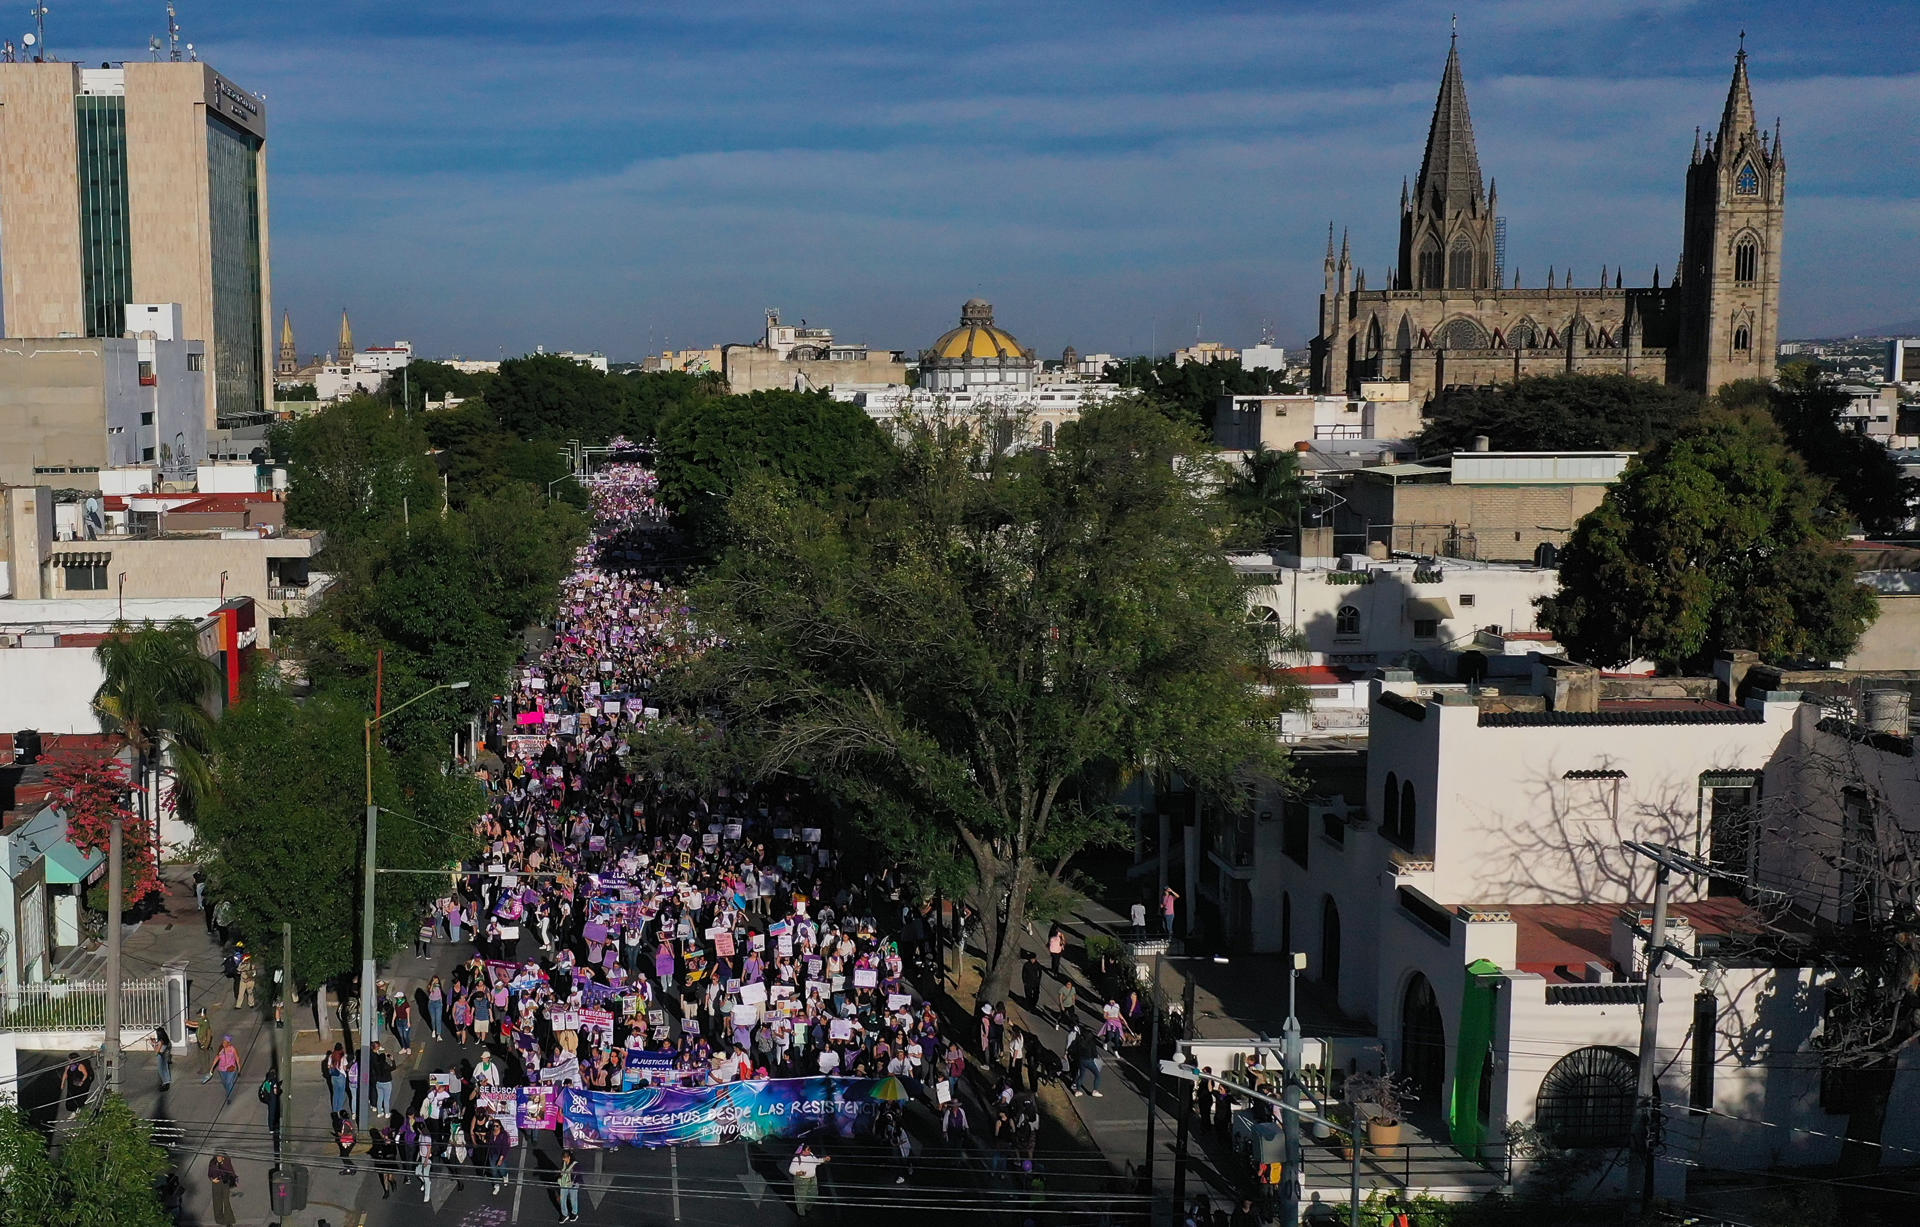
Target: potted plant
point(1381, 1099)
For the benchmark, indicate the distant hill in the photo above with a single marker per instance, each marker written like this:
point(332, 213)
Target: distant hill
point(1909, 328)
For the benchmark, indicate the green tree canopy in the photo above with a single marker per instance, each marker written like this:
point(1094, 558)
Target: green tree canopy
point(154, 685)
point(545, 396)
point(651, 395)
point(973, 656)
point(1265, 496)
point(354, 466)
point(1865, 483)
point(1714, 540)
point(1547, 413)
point(283, 829)
point(1189, 392)
point(707, 448)
point(106, 1173)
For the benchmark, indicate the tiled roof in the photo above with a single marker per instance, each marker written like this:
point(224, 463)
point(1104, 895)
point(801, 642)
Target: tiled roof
point(1410, 708)
point(1626, 993)
point(1595, 773)
point(1690, 713)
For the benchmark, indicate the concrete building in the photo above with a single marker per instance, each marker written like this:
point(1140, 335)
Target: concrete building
point(1903, 360)
point(1243, 422)
point(73, 406)
point(977, 355)
point(167, 547)
point(42, 874)
point(1205, 351)
point(145, 183)
point(1029, 418)
point(689, 361)
point(1485, 505)
point(1264, 356)
point(801, 359)
point(1460, 887)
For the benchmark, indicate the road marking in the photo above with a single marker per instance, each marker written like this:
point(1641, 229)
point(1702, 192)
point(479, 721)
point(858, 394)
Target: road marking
point(673, 1164)
point(520, 1180)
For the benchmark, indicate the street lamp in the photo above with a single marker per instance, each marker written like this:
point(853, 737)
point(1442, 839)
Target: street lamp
point(1290, 1053)
point(1153, 1046)
point(367, 1004)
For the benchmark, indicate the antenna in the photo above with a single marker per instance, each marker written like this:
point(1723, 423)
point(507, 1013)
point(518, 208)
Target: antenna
point(173, 34)
point(6, 51)
point(39, 14)
point(153, 48)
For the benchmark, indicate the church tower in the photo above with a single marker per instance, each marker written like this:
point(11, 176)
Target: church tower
point(346, 339)
point(289, 358)
point(1730, 254)
point(1446, 225)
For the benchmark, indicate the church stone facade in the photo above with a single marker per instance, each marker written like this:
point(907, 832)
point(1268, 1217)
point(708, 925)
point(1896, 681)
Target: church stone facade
point(1449, 317)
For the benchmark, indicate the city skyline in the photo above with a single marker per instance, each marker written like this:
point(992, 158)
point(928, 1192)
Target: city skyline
point(1111, 177)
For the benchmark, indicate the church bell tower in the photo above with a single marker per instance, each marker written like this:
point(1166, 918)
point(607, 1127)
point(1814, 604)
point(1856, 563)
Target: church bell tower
point(1446, 225)
point(1730, 257)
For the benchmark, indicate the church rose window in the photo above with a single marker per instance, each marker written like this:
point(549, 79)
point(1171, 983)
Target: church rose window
point(1522, 336)
point(1462, 334)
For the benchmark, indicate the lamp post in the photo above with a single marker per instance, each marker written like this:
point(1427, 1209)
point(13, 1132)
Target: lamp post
point(1290, 1054)
point(1153, 1050)
point(368, 1008)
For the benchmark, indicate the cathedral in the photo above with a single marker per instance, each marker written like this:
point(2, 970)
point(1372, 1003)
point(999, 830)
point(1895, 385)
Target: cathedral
point(1452, 315)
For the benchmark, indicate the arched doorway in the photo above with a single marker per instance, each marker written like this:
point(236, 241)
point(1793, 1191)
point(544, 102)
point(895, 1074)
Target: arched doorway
point(1330, 947)
point(1423, 1044)
point(1587, 1098)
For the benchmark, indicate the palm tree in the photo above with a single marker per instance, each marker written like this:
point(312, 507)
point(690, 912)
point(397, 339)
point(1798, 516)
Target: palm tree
point(153, 691)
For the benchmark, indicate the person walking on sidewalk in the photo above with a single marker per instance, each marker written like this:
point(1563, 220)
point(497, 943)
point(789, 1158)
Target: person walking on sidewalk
point(1056, 948)
point(1087, 1068)
point(223, 1183)
point(381, 1152)
point(382, 1080)
point(403, 1023)
point(569, 1182)
point(423, 1162)
point(1168, 898)
point(75, 1081)
point(498, 1146)
point(334, 1070)
point(226, 1063)
point(437, 1008)
point(1031, 978)
point(271, 1093)
point(344, 1138)
point(163, 1051)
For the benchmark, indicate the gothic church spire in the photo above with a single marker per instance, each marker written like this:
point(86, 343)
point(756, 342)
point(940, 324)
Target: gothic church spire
point(1449, 179)
point(1737, 119)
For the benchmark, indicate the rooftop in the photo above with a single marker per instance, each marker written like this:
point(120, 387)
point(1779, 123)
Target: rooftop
point(1558, 940)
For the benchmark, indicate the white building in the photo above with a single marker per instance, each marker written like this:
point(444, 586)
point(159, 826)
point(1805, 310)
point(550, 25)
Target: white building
point(1461, 889)
point(1029, 417)
point(1264, 356)
point(978, 356)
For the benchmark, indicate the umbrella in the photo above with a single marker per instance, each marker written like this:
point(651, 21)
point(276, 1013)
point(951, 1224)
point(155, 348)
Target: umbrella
point(889, 1090)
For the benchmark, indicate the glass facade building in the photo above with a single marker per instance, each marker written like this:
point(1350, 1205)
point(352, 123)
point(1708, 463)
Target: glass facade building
point(233, 195)
point(106, 249)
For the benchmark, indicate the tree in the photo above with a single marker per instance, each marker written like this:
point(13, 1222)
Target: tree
point(107, 1172)
point(358, 466)
point(974, 656)
point(153, 690)
point(544, 396)
point(650, 396)
point(1551, 413)
point(523, 546)
point(1265, 494)
point(91, 791)
point(284, 829)
point(1714, 540)
point(707, 448)
point(1189, 392)
point(1865, 482)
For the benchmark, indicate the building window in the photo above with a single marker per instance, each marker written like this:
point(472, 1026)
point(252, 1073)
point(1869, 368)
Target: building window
point(106, 261)
point(1426, 628)
point(1431, 268)
point(86, 577)
point(1347, 621)
point(1742, 339)
point(233, 197)
point(1293, 833)
point(146, 419)
point(1588, 1099)
point(196, 362)
point(1460, 266)
point(1466, 599)
point(1746, 259)
point(1408, 828)
point(1729, 802)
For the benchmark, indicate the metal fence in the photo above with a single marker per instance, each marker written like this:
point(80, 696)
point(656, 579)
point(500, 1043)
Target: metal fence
point(82, 1006)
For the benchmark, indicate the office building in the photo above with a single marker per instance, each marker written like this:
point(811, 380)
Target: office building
point(140, 183)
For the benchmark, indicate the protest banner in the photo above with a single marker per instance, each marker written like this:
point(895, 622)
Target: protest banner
point(719, 1115)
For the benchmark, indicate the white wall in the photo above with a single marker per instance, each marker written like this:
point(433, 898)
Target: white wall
point(49, 689)
point(1310, 600)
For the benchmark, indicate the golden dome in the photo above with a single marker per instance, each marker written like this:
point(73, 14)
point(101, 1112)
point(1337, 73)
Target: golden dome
point(976, 338)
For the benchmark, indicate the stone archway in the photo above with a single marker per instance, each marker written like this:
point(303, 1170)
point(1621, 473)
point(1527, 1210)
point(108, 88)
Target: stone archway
point(1423, 1043)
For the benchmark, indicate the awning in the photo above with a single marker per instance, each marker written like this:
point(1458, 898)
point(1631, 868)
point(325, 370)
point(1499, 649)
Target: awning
point(1429, 609)
point(81, 558)
point(68, 866)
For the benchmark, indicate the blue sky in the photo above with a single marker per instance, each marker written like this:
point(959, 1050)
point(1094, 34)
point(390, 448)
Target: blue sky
point(482, 177)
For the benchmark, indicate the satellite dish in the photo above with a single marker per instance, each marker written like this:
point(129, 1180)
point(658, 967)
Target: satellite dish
point(28, 40)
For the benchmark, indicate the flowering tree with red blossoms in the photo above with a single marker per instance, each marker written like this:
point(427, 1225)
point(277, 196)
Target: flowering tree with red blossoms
point(92, 792)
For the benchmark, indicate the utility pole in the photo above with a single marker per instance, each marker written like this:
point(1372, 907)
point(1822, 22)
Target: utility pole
point(1153, 1055)
point(1290, 1056)
point(1178, 1069)
point(286, 1033)
point(367, 1005)
point(1186, 1102)
point(116, 890)
point(1651, 1116)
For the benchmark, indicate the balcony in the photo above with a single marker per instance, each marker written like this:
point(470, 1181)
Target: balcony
point(297, 601)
